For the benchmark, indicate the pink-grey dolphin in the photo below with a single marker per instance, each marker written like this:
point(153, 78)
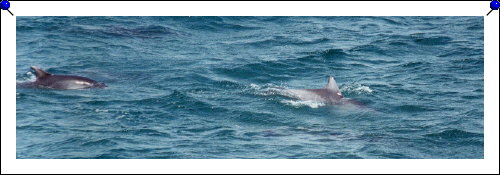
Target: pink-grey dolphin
point(51, 81)
point(330, 94)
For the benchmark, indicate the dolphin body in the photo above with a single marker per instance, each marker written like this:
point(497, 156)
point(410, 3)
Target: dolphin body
point(330, 94)
point(48, 80)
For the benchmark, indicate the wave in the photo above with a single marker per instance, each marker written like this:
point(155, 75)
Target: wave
point(393, 20)
point(100, 142)
point(415, 108)
point(146, 32)
point(332, 53)
point(177, 100)
point(264, 71)
point(453, 134)
point(285, 41)
point(462, 51)
point(256, 118)
point(473, 62)
point(370, 48)
point(414, 66)
point(141, 32)
point(216, 24)
point(284, 69)
point(145, 132)
point(432, 41)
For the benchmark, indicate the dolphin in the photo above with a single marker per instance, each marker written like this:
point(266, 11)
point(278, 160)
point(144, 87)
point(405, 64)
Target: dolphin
point(48, 80)
point(330, 94)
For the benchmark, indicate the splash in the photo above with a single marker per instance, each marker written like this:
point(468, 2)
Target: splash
point(101, 110)
point(301, 103)
point(356, 89)
point(268, 89)
point(27, 77)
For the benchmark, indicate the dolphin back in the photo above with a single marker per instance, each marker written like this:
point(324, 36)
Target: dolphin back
point(48, 80)
point(69, 82)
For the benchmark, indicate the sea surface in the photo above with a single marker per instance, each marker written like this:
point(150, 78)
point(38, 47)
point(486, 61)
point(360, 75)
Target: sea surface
point(212, 88)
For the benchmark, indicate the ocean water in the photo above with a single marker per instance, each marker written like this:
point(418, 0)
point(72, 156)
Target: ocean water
point(212, 87)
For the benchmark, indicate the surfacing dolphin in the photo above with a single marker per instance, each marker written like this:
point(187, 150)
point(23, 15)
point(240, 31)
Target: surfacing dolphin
point(48, 80)
point(329, 95)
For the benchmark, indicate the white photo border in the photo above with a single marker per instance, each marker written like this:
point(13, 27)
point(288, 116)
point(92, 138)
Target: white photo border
point(490, 163)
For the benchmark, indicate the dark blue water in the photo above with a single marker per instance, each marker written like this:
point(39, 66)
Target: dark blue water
point(211, 87)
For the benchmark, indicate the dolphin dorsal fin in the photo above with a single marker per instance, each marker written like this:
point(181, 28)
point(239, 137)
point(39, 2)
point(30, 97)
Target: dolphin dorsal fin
point(332, 85)
point(39, 72)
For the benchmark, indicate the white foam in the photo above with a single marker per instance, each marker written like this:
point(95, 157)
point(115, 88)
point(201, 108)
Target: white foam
point(101, 110)
point(301, 103)
point(254, 86)
point(88, 27)
point(268, 89)
point(364, 89)
point(356, 88)
point(30, 77)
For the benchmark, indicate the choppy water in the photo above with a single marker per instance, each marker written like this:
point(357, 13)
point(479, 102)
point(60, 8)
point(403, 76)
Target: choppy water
point(210, 87)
